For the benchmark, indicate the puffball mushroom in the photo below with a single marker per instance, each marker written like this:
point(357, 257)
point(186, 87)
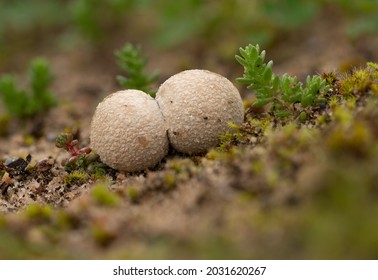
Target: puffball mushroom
point(128, 131)
point(197, 106)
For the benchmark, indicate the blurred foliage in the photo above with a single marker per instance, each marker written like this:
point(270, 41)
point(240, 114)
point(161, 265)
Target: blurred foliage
point(133, 63)
point(289, 13)
point(170, 23)
point(361, 16)
point(18, 102)
point(18, 15)
point(93, 17)
point(180, 20)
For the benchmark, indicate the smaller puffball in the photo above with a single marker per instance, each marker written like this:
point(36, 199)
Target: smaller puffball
point(128, 131)
point(197, 106)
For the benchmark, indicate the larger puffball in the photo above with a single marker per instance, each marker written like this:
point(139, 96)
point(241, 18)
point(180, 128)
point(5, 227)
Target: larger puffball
point(197, 106)
point(128, 131)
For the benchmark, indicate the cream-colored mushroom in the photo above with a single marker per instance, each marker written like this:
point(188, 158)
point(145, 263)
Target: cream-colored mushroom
point(197, 106)
point(128, 131)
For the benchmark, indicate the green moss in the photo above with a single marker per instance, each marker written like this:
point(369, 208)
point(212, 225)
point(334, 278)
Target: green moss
point(13, 247)
point(214, 154)
point(180, 165)
point(333, 101)
point(338, 222)
point(373, 66)
point(322, 119)
point(76, 178)
point(38, 212)
point(65, 220)
point(101, 235)
point(374, 89)
point(31, 168)
point(355, 138)
point(360, 81)
point(218, 154)
point(133, 194)
point(29, 140)
point(103, 196)
point(303, 117)
point(343, 115)
point(226, 140)
point(257, 167)
point(176, 165)
point(170, 180)
point(262, 123)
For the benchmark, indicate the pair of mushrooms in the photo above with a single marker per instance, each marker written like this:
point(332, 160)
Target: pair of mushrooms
point(131, 131)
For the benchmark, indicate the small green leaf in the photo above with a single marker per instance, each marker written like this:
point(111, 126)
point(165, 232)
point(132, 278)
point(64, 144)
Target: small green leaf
point(259, 62)
point(293, 90)
point(242, 61)
point(276, 82)
point(303, 116)
point(282, 114)
point(295, 98)
point(244, 80)
point(320, 100)
point(262, 102)
point(262, 55)
point(307, 100)
point(243, 52)
point(254, 52)
point(267, 75)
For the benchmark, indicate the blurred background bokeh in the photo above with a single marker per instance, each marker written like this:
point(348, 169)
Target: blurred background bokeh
point(193, 33)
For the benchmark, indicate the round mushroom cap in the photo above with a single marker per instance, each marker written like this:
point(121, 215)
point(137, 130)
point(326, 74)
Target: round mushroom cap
point(128, 131)
point(197, 106)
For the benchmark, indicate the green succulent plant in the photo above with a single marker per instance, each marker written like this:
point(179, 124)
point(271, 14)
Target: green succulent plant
point(281, 92)
point(131, 61)
point(21, 103)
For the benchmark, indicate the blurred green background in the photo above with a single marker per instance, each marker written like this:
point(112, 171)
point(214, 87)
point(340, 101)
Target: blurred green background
point(219, 25)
